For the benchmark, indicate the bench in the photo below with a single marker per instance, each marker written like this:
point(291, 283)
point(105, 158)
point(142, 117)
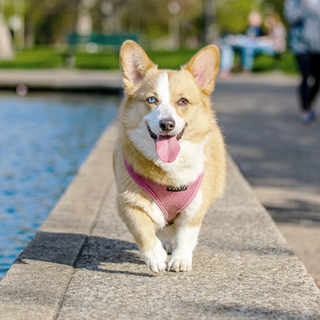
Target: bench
point(92, 41)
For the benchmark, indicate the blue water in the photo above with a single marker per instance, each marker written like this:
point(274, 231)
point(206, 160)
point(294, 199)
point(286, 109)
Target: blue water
point(43, 141)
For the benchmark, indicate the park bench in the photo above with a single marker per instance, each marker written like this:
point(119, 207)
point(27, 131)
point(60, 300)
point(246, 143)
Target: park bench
point(92, 41)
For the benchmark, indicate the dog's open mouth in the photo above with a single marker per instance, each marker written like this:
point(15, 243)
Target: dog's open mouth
point(167, 146)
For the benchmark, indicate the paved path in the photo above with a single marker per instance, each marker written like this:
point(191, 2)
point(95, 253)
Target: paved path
point(243, 267)
point(84, 264)
point(277, 154)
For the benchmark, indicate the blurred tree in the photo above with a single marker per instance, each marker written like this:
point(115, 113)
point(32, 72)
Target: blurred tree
point(48, 21)
point(152, 19)
point(232, 15)
point(270, 6)
point(208, 21)
point(6, 50)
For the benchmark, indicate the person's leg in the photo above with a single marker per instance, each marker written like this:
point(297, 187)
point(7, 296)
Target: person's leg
point(304, 89)
point(250, 52)
point(227, 58)
point(247, 54)
point(315, 71)
point(251, 49)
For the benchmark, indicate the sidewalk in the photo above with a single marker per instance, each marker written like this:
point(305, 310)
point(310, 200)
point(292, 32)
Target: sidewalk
point(277, 154)
point(84, 264)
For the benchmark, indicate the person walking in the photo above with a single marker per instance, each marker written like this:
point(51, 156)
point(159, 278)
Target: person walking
point(303, 17)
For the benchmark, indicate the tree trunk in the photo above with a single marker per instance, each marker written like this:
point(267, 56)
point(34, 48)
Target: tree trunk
point(6, 49)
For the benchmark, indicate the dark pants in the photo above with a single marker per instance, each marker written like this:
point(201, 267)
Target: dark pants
point(309, 65)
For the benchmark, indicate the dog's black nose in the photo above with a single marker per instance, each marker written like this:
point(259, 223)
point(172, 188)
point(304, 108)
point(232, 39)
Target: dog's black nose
point(167, 124)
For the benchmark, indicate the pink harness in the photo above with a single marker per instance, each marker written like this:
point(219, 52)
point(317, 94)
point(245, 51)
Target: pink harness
point(171, 200)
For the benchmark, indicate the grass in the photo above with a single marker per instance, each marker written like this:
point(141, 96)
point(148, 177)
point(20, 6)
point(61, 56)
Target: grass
point(48, 57)
point(286, 63)
point(110, 60)
point(38, 58)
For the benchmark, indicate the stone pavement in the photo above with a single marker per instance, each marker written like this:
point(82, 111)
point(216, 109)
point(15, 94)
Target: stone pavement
point(277, 154)
point(84, 264)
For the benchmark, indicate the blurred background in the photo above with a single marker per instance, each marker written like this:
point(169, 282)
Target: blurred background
point(38, 31)
point(46, 134)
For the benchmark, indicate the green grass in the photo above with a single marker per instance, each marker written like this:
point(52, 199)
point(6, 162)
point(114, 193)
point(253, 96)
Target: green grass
point(286, 63)
point(110, 61)
point(48, 57)
point(42, 57)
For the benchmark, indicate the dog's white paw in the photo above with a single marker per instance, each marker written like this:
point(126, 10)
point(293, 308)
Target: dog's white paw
point(156, 259)
point(178, 265)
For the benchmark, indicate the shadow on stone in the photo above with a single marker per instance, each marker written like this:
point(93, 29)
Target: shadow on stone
point(272, 148)
point(80, 251)
point(237, 310)
point(295, 211)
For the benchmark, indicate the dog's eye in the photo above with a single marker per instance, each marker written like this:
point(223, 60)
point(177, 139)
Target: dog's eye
point(183, 102)
point(152, 100)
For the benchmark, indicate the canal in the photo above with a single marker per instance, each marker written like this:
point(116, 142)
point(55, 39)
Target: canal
point(44, 138)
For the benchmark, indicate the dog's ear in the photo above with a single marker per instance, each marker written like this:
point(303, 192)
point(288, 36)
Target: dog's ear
point(204, 67)
point(134, 63)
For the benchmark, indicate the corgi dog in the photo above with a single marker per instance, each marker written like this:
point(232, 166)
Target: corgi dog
point(169, 159)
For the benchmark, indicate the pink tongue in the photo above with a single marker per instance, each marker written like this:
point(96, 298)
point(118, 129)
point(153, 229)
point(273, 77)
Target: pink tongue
point(167, 148)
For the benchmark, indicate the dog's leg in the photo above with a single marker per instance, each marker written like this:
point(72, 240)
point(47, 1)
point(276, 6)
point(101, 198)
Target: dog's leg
point(143, 230)
point(166, 235)
point(186, 237)
point(185, 241)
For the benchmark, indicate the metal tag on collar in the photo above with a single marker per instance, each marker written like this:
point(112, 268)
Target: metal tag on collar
point(182, 188)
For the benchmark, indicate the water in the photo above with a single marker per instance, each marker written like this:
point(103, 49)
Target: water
point(43, 141)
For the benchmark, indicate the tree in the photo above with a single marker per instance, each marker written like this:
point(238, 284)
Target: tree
point(6, 50)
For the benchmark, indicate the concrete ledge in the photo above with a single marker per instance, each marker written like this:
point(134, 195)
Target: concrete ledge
point(62, 79)
point(83, 263)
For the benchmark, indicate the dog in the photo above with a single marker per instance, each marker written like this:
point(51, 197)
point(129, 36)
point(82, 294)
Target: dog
point(169, 160)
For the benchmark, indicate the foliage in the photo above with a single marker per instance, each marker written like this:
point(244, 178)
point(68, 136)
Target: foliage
point(48, 21)
point(232, 16)
point(38, 58)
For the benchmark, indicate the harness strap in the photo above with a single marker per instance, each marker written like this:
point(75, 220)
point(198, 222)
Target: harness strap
point(171, 200)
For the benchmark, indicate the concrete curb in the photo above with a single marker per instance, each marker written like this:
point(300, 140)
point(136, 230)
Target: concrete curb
point(61, 79)
point(83, 263)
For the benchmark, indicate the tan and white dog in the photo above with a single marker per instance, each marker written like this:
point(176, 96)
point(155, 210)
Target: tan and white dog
point(169, 160)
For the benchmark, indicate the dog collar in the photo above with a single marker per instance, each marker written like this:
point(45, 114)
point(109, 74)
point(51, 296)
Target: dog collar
point(171, 200)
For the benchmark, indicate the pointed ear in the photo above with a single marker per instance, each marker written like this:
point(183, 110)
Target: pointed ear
point(204, 67)
point(134, 63)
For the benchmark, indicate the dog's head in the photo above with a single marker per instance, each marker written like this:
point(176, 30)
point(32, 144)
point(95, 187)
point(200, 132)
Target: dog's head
point(164, 108)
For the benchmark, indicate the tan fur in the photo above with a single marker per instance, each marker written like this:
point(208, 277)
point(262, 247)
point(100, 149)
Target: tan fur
point(140, 80)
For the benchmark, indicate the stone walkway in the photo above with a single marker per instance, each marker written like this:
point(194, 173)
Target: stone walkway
point(84, 264)
point(277, 154)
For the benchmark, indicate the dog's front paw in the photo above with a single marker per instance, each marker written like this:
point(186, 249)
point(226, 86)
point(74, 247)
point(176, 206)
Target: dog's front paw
point(177, 265)
point(156, 259)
